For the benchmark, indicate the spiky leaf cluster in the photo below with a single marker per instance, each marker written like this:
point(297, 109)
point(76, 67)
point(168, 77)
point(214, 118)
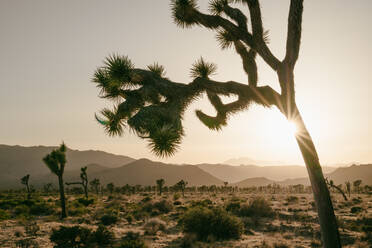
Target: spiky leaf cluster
point(202, 69)
point(25, 179)
point(157, 69)
point(216, 7)
point(182, 11)
point(56, 160)
point(225, 39)
point(152, 108)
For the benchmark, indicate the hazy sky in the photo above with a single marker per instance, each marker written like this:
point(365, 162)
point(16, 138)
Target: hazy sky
point(49, 50)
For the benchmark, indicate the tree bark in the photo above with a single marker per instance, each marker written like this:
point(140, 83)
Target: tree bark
point(327, 219)
point(62, 197)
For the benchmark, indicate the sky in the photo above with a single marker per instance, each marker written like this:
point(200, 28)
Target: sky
point(50, 49)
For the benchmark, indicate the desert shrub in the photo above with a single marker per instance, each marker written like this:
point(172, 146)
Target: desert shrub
point(22, 210)
point(216, 222)
point(4, 215)
point(85, 202)
point(27, 243)
point(102, 237)
point(41, 208)
point(280, 245)
point(357, 200)
point(74, 236)
point(109, 219)
point(258, 207)
point(176, 196)
point(31, 228)
point(154, 225)
point(233, 206)
point(129, 218)
point(146, 199)
point(163, 206)
point(79, 237)
point(356, 210)
point(156, 208)
point(203, 203)
point(292, 199)
point(132, 240)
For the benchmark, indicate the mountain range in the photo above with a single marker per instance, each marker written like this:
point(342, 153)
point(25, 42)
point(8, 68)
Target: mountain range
point(17, 161)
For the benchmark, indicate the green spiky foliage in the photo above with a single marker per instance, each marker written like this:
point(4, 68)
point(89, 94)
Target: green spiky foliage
point(24, 181)
point(153, 106)
point(56, 162)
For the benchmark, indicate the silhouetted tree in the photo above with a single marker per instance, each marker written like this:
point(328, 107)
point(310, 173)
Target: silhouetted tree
point(24, 181)
point(348, 187)
point(56, 162)
point(160, 183)
point(84, 181)
point(47, 187)
point(356, 185)
point(331, 184)
point(154, 105)
point(94, 184)
point(181, 185)
point(110, 187)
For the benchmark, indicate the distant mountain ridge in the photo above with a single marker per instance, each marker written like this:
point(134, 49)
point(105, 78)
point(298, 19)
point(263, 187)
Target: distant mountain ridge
point(140, 172)
point(17, 161)
point(233, 174)
point(249, 161)
point(339, 176)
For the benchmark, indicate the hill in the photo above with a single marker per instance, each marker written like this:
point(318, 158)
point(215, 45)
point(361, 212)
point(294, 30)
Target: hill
point(233, 174)
point(17, 161)
point(339, 176)
point(139, 172)
point(255, 181)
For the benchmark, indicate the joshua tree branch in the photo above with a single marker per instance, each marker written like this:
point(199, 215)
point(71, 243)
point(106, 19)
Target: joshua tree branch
point(294, 32)
point(249, 62)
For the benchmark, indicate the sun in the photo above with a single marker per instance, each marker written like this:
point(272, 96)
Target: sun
point(279, 133)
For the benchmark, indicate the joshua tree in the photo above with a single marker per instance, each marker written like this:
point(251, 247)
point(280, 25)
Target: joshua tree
point(356, 185)
point(56, 162)
point(84, 181)
point(47, 187)
point(348, 187)
point(153, 105)
point(110, 187)
point(24, 181)
point(95, 183)
point(181, 185)
point(331, 184)
point(160, 183)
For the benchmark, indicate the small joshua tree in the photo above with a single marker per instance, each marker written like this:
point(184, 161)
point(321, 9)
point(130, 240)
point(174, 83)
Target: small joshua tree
point(356, 185)
point(56, 162)
point(110, 187)
point(153, 105)
point(84, 181)
point(94, 184)
point(47, 187)
point(348, 187)
point(331, 184)
point(160, 183)
point(181, 185)
point(24, 181)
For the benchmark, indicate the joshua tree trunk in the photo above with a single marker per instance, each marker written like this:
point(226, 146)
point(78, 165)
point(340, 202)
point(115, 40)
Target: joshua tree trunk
point(62, 197)
point(327, 218)
point(28, 192)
